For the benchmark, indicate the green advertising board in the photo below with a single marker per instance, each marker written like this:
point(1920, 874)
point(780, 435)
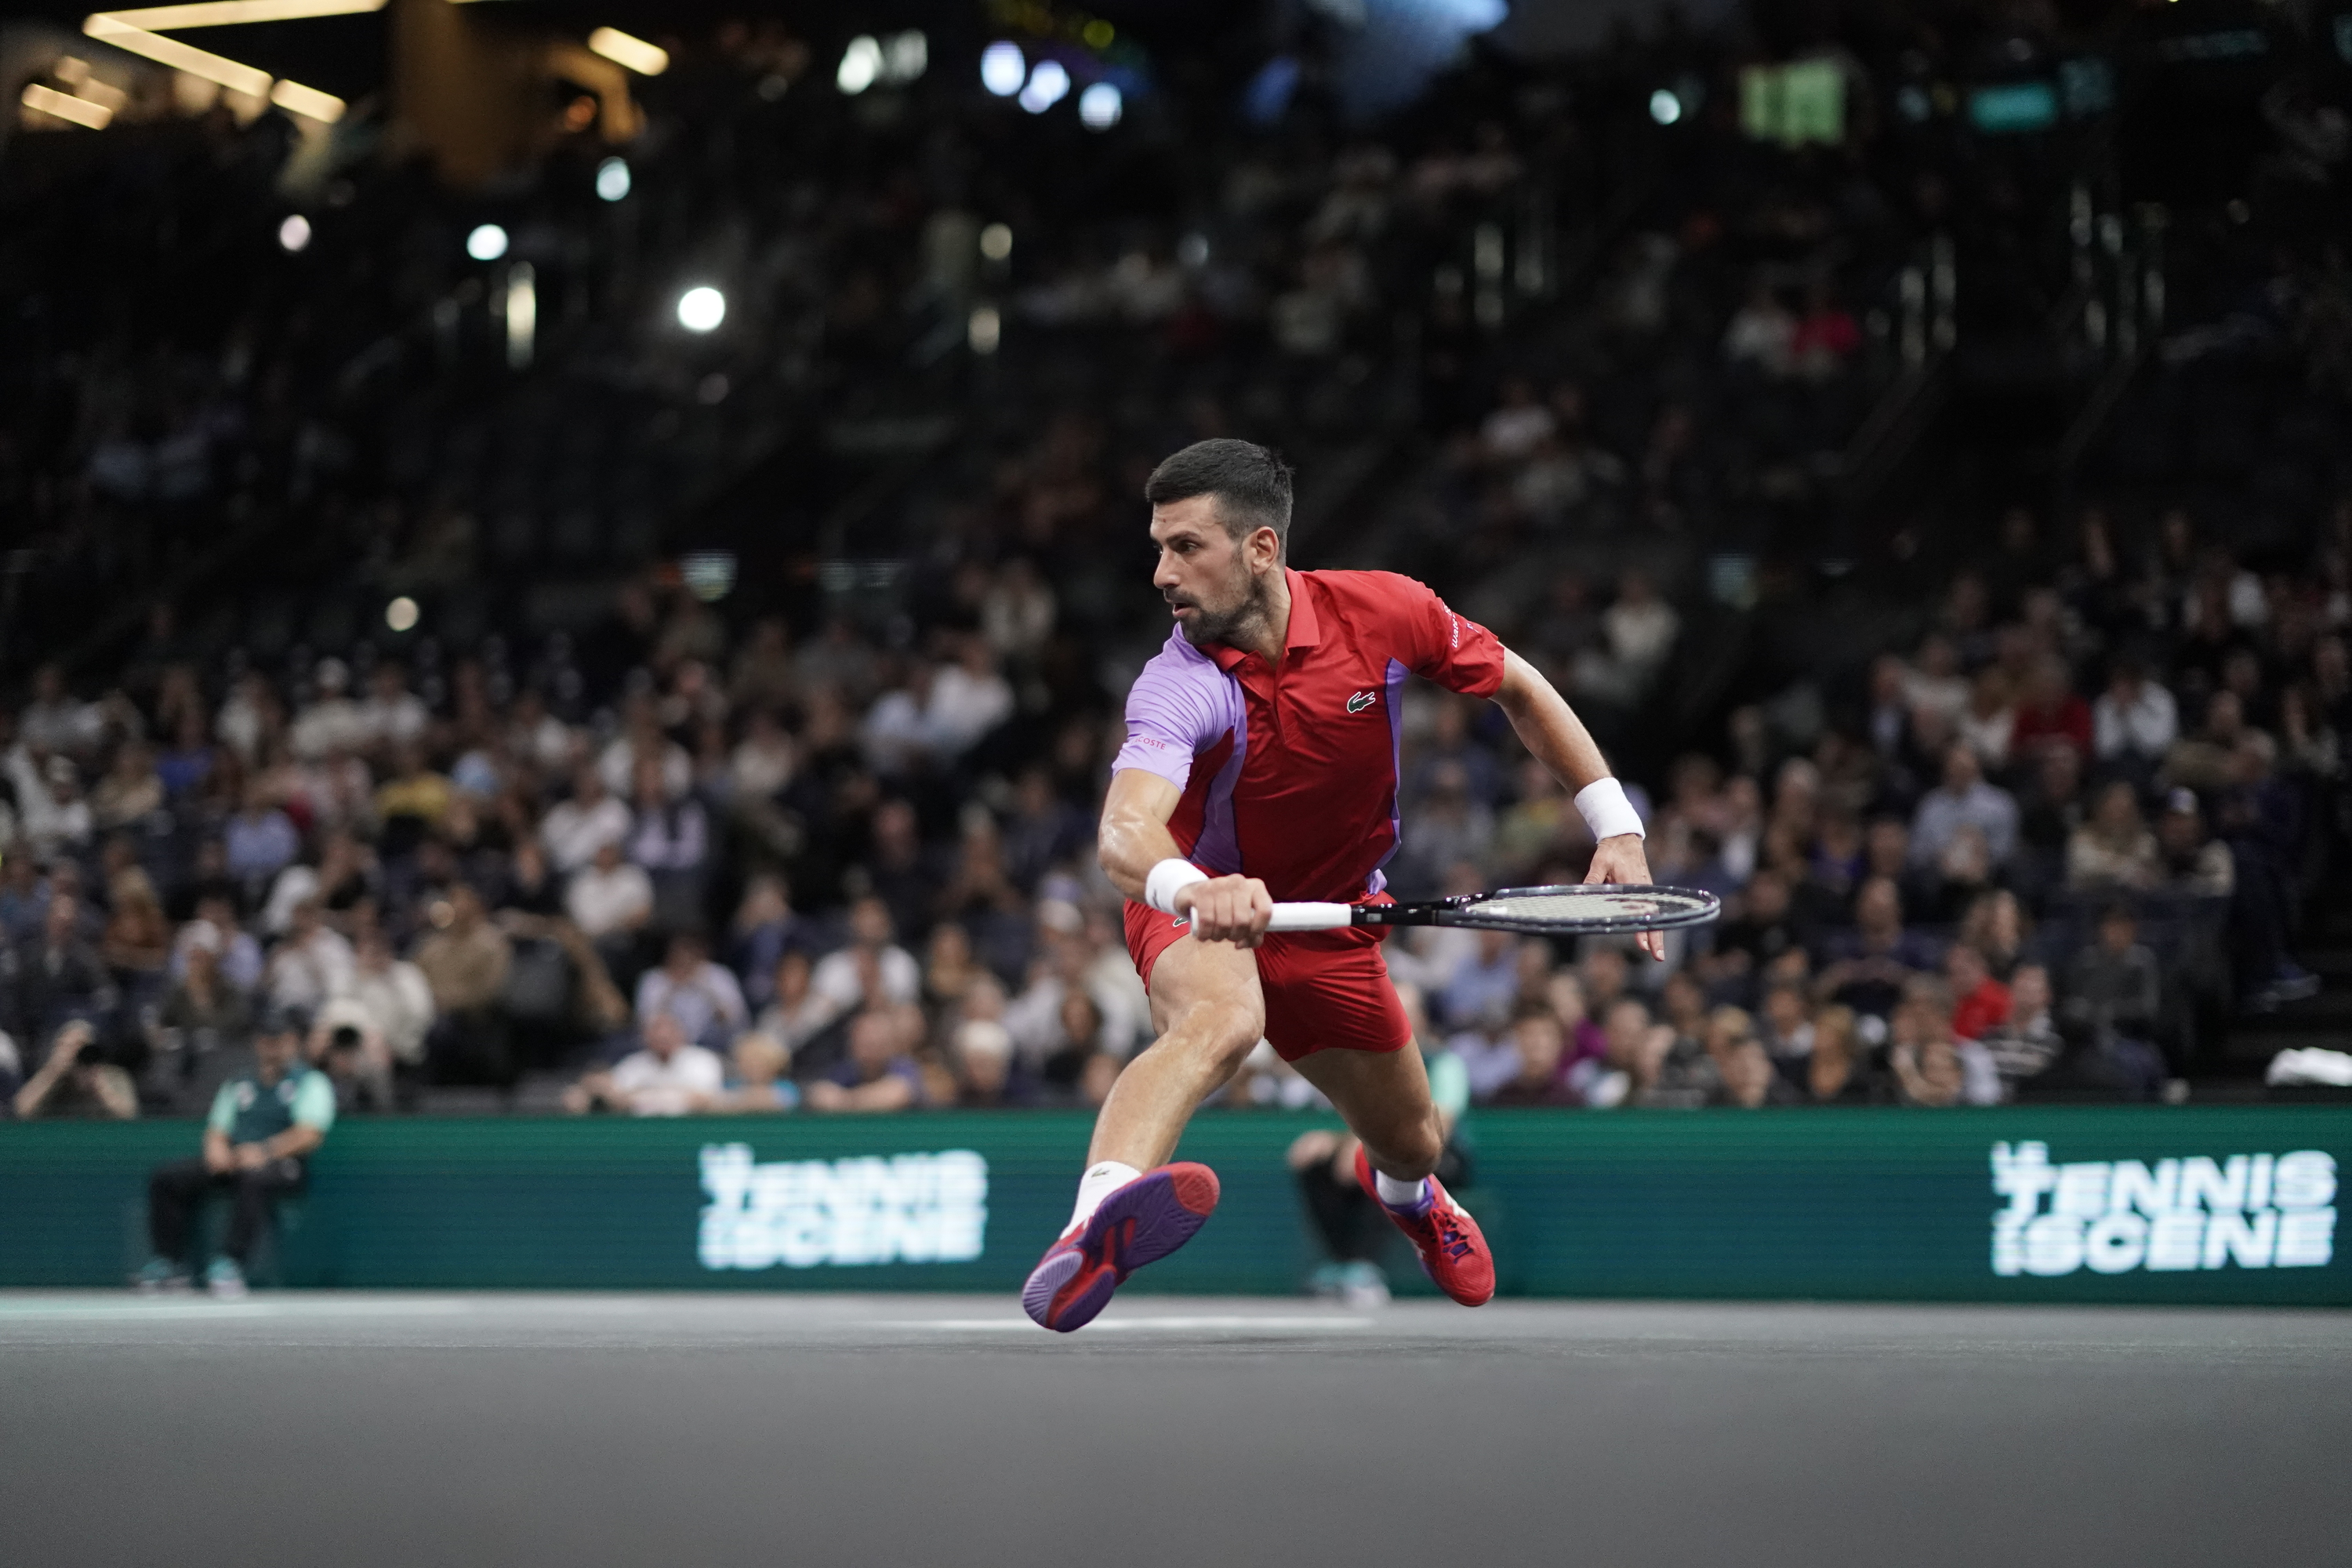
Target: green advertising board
point(2140, 1205)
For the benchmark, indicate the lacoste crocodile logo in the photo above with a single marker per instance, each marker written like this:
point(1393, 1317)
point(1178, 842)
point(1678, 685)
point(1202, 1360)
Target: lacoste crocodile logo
point(1361, 700)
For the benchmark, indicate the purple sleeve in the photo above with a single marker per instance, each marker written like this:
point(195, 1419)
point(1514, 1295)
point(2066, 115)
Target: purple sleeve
point(1179, 707)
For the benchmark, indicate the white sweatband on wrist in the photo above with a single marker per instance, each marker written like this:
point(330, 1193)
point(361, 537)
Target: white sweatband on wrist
point(1607, 811)
point(1163, 882)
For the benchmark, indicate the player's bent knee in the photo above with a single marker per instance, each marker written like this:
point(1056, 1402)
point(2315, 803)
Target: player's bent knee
point(1408, 1154)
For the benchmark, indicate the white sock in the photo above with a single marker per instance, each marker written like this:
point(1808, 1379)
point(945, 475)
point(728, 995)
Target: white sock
point(1399, 1195)
point(1102, 1179)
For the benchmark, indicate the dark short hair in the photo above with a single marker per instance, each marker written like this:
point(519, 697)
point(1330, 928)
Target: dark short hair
point(1250, 482)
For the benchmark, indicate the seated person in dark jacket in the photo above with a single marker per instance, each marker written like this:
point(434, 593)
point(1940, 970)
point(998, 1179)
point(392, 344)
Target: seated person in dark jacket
point(2114, 982)
point(264, 1124)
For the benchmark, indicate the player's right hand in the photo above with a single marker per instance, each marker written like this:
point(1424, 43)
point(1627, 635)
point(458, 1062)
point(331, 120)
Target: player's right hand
point(1227, 909)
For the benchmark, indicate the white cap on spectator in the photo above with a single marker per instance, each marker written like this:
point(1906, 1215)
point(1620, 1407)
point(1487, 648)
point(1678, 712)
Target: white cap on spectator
point(983, 1038)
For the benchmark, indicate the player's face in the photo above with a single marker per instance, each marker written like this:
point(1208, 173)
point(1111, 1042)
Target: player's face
point(1209, 578)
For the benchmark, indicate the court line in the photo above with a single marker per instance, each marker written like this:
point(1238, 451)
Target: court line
point(1134, 1325)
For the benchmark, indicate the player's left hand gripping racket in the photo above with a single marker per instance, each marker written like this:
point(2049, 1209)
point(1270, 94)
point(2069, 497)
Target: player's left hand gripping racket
point(1595, 909)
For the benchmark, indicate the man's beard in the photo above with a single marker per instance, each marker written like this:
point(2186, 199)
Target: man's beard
point(1232, 628)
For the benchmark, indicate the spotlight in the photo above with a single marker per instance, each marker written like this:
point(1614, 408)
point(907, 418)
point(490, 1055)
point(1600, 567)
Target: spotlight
point(613, 179)
point(996, 242)
point(487, 243)
point(1002, 68)
point(1664, 107)
point(1048, 84)
point(294, 233)
point(401, 614)
point(861, 62)
point(1100, 106)
point(985, 330)
point(905, 56)
point(701, 308)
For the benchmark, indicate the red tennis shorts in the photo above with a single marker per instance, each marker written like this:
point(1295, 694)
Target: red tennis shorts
point(1324, 990)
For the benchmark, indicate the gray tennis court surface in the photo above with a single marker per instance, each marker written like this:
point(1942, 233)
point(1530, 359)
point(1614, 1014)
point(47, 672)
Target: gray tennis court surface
point(408, 1429)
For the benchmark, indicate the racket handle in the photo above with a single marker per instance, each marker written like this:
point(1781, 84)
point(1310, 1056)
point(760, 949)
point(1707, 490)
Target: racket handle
point(1312, 917)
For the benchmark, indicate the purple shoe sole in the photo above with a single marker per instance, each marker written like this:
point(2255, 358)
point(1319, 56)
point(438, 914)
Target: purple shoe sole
point(1141, 1223)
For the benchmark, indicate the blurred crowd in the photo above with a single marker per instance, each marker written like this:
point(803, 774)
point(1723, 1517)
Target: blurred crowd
point(809, 825)
point(2070, 831)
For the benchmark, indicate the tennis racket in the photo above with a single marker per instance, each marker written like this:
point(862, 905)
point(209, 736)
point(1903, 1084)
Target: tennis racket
point(1595, 909)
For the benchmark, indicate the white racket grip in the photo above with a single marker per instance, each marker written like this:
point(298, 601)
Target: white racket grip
point(1312, 917)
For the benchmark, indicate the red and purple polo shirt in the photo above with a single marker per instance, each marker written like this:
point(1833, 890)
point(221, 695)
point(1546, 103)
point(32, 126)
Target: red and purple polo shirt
point(1290, 774)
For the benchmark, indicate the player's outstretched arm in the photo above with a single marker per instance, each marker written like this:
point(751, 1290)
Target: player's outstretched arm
point(1141, 859)
point(1558, 738)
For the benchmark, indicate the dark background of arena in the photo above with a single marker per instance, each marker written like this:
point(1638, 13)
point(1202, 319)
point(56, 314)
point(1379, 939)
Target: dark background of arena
point(1794, 464)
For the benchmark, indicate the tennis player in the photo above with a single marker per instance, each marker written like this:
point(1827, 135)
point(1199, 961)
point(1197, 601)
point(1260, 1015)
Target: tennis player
point(1261, 765)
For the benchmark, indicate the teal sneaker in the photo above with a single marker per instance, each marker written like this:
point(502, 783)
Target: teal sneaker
point(159, 1276)
point(226, 1280)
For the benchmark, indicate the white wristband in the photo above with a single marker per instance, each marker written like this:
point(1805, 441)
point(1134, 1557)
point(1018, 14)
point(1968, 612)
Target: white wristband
point(1166, 879)
point(1607, 811)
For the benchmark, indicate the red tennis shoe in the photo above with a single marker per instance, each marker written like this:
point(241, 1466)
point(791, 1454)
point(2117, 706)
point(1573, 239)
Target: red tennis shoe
point(1453, 1250)
point(1140, 1223)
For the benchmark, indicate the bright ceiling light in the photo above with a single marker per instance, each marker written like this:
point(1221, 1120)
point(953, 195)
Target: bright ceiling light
point(701, 308)
point(1048, 85)
point(1002, 68)
point(487, 243)
point(401, 614)
point(294, 233)
point(613, 179)
point(1100, 106)
point(1664, 107)
point(996, 241)
point(307, 101)
point(236, 12)
point(65, 106)
point(861, 62)
point(645, 58)
point(905, 56)
point(180, 56)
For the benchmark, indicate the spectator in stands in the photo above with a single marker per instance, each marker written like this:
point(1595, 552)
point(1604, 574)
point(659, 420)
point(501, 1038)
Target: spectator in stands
point(1747, 1075)
point(2113, 982)
point(465, 960)
point(574, 829)
point(703, 996)
point(2206, 760)
point(2114, 849)
point(1871, 964)
point(668, 1074)
point(389, 1002)
point(263, 1128)
point(1931, 1067)
point(670, 838)
point(1963, 798)
point(1981, 1003)
point(203, 1017)
point(1485, 981)
point(873, 971)
point(760, 1086)
point(611, 901)
point(261, 841)
point(984, 1065)
point(2026, 1043)
point(1785, 1027)
point(1539, 1077)
point(2134, 722)
point(76, 1080)
point(879, 1073)
point(312, 963)
point(2187, 860)
point(2051, 715)
point(57, 977)
point(1838, 1071)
